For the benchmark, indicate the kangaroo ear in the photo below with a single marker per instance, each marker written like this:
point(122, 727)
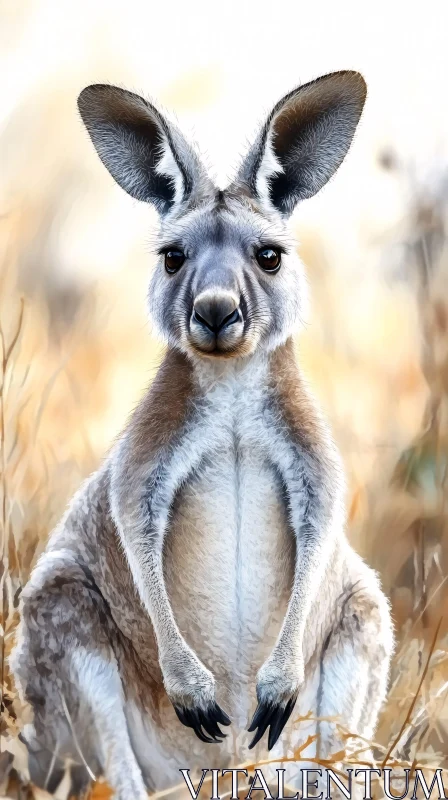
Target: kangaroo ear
point(304, 140)
point(148, 157)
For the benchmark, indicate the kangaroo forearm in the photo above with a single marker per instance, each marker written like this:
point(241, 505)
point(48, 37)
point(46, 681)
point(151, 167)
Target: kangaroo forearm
point(146, 562)
point(315, 512)
point(309, 573)
point(141, 499)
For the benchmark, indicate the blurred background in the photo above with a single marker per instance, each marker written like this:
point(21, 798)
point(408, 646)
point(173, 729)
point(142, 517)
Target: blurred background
point(77, 350)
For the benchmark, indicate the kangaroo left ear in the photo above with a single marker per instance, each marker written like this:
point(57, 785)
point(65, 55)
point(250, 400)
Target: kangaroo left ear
point(304, 140)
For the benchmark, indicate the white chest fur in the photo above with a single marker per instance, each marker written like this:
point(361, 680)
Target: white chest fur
point(229, 551)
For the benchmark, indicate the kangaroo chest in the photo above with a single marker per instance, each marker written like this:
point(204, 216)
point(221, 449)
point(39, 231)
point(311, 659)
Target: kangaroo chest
point(229, 552)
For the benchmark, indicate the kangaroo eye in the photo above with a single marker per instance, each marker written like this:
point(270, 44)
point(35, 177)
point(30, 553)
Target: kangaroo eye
point(269, 259)
point(174, 260)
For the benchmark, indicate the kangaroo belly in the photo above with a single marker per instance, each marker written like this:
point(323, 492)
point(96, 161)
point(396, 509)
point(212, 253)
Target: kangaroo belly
point(229, 568)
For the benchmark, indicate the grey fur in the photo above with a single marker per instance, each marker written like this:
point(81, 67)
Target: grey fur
point(214, 532)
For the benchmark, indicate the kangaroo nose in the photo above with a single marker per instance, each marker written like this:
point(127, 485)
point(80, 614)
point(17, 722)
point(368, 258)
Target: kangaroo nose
point(216, 312)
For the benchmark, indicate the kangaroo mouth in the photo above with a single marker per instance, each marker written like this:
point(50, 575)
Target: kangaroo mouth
point(216, 348)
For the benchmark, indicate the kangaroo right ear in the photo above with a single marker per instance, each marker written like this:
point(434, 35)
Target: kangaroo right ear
point(148, 157)
point(304, 140)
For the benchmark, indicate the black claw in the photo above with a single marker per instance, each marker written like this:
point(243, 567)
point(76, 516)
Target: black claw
point(221, 715)
point(182, 716)
point(275, 727)
point(282, 718)
point(263, 717)
point(201, 735)
point(256, 719)
point(195, 715)
point(210, 725)
point(274, 716)
point(192, 718)
point(204, 722)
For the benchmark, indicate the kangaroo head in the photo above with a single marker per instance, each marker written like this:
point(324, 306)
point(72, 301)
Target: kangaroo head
point(228, 280)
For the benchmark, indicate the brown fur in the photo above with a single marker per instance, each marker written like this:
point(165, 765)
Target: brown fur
point(163, 409)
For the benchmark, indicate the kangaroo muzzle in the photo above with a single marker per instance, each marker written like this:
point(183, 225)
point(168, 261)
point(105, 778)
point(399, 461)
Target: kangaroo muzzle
point(216, 323)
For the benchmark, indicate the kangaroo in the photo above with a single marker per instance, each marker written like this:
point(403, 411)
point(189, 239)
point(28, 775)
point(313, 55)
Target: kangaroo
point(201, 577)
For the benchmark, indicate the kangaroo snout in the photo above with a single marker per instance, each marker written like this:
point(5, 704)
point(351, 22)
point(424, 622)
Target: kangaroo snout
point(216, 312)
point(216, 323)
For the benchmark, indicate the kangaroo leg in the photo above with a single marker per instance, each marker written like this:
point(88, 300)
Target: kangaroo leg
point(354, 669)
point(65, 666)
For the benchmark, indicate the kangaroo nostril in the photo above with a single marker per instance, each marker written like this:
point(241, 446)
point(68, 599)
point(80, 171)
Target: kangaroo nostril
point(203, 321)
point(230, 319)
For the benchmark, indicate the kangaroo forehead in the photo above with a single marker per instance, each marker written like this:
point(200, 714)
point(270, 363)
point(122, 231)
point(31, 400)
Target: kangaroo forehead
point(229, 223)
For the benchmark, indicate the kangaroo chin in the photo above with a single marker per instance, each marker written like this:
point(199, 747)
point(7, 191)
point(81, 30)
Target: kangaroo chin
point(201, 578)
